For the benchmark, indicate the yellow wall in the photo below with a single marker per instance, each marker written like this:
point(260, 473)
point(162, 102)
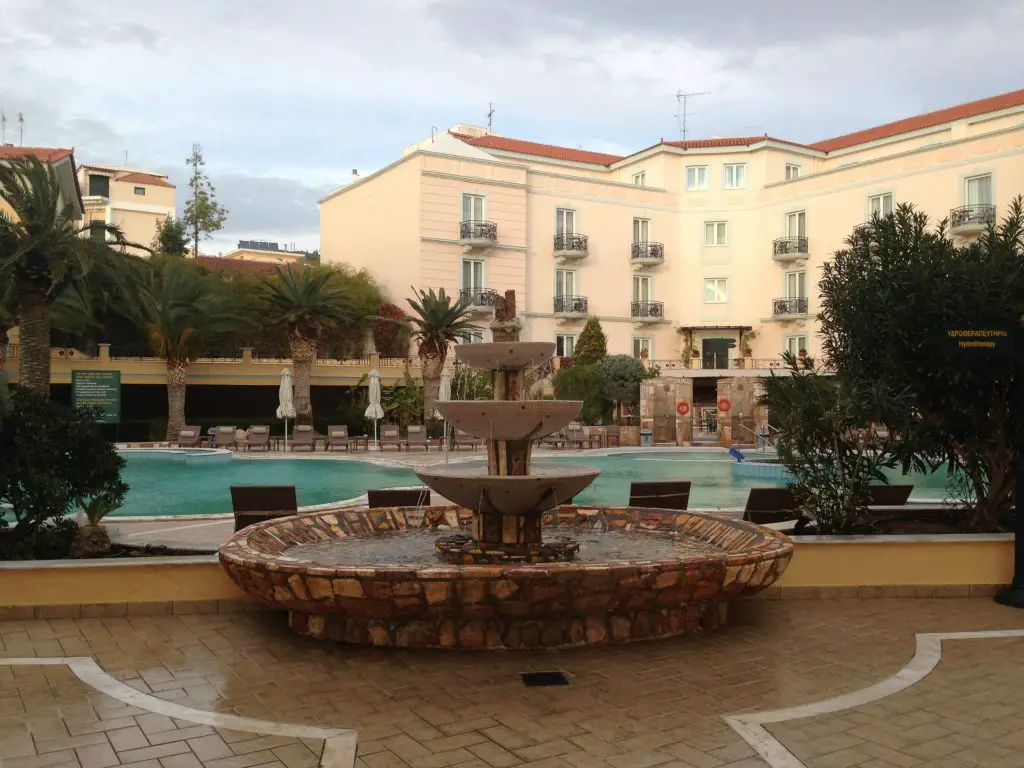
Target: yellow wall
point(124, 192)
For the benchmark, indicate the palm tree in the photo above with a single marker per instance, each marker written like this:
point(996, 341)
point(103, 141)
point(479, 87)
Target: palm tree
point(180, 308)
point(310, 304)
point(42, 254)
point(437, 323)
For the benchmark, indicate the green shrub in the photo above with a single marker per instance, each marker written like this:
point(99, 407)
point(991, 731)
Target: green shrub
point(580, 382)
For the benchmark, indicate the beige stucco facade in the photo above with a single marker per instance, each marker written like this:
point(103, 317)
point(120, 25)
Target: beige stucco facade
point(722, 272)
point(135, 201)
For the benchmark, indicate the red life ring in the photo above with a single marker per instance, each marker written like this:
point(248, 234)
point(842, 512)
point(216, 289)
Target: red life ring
point(682, 407)
point(724, 405)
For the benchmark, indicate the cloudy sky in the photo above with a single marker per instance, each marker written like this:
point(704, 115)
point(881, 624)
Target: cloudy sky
point(287, 97)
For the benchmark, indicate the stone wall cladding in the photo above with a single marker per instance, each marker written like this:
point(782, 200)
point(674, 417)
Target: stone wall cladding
point(504, 606)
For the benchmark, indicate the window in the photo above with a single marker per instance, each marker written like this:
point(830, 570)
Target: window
point(734, 175)
point(565, 221)
point(140, 190)
point(641, 230)
point(472, 275)
point(716, 290)
point(565, 282)
point(641, 346)
point(474, 337)
point(796, 344)
point(98, 230)
point(979, 190)
point(472, 207)
point(641, 288)
point(796, 285)
point(881, 204)
point(696, 177)
point(564, 344)
point(99, 186)
point(796, 224)
point(714, 233)
point(640, 179)
point(792, 171)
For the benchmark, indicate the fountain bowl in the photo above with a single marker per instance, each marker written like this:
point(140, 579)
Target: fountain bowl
point(509, 419)
point(390, 600)
point(505, 355)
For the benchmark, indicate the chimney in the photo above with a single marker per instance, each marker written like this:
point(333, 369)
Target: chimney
point(355, 174)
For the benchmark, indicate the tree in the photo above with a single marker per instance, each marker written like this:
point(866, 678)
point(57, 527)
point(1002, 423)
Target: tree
point(618, 379)
point(579, 382)
point(437, 322)
point(390, 338)
point(43, 254)
point(310, 303)
point(171, 238)
point(181, 308)
point(888, 299)
point(203, 214)
point(592, 345)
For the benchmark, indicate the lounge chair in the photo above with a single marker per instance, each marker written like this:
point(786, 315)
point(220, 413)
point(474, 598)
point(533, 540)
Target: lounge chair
point(577, 436)
point(612, 433)
point(303, 438)
point(190, 437)
point(555, 439)
point(256, 503)
point(390, 434)
point(890, 495)
point(258, 438)
point(337, 438)
point(397, 497)
point(667, 494)
point(464, 438)
point(770, 505)
point(416, 435)
point(224, 437)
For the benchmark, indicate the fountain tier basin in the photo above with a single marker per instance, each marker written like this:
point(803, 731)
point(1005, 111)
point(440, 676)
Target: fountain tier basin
point(369, 577)
point(505, 355)
point(509, 419)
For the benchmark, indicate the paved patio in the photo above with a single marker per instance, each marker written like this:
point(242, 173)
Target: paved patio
point(649, 704)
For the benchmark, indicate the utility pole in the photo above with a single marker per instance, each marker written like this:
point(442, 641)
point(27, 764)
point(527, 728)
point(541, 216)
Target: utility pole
point(490, 116)
point(681, 104)
point(3, 128)
point(21, 129)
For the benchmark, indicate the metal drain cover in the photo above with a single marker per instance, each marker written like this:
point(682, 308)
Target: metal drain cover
point(544, 678)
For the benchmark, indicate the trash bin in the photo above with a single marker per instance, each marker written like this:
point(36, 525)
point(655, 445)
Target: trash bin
point(646, 438)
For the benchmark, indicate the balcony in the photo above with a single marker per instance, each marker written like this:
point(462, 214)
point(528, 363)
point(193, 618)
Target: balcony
point(647, 312)
point(570, 247)
point(570, 307)
point(477, 234)
point(647, 254)
point(481, 300)
point(786, 250)
point(790, 307)
point(970, 220)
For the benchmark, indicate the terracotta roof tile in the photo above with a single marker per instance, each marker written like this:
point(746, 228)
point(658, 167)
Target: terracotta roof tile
point(733, 141)
point(539, 150)
point(145, 178)
point(46, 154)
point(927, 120)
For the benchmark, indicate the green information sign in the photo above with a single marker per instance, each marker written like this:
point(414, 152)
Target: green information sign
point(98, 389)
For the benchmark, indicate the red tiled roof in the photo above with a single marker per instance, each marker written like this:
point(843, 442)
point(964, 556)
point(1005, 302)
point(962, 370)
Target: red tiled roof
point(46, 154)
point(145, 178)
point(240, 266)
point(927, 120)
point(734, 141)
point(540, 150)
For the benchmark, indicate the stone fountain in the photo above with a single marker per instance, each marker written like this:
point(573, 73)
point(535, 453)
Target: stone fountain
point(480, 573)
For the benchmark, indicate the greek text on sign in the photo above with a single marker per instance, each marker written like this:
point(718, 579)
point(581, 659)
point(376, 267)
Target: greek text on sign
point(981, 339)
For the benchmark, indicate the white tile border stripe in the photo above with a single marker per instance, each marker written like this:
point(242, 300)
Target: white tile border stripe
point(751, 728)
point(339, 744)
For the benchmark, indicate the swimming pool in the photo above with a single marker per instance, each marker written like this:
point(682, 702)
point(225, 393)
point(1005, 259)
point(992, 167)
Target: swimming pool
point(175, 483)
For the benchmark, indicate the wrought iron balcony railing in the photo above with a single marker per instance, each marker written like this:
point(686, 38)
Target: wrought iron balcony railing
point(480, 298)
point(570, 305)
point(478, 230)
point(569, 242)
point(789, 246)
point(972, 215)
point(647, 252)
point(789, 306)
point(653, 310)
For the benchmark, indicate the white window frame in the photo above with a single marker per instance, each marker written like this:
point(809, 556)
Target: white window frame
point(790, 215)
point(795, 276)
point(462, 274)
point(697, 186)
point(560, 212)
point(721, 285)
point(483, 206)
point(475, 337)
point(639, 343)
point(575, 281)
point(789, 344)
point(640, 179)
point(734, 168)
point(967, 187)
point(636, 228)
point(880, 197)
point(571, 338)
point(794, 171)
point(720, 237)
point(637, 281)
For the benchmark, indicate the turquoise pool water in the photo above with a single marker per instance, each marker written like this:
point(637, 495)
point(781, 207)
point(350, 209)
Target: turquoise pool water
point(169, 484)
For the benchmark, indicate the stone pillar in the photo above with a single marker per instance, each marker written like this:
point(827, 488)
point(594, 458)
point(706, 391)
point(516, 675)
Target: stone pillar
point(246, 355)
point(724, 391)
point(740, 391)
point(104, 352)
point(648, 403)
point(684, 424)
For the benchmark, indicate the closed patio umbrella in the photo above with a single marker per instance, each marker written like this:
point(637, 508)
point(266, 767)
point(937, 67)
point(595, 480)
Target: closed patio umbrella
point(373, 410)
point(285, 402)
point(445, 393)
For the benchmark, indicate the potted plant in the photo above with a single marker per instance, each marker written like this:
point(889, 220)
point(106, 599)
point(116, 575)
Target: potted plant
point(92, 539)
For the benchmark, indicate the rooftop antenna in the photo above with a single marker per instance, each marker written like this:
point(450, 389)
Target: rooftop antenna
point(126, 158)
point(490, 116)
point(21, 129)
point(3, 127)
point(433, 130)
point(681, 103)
